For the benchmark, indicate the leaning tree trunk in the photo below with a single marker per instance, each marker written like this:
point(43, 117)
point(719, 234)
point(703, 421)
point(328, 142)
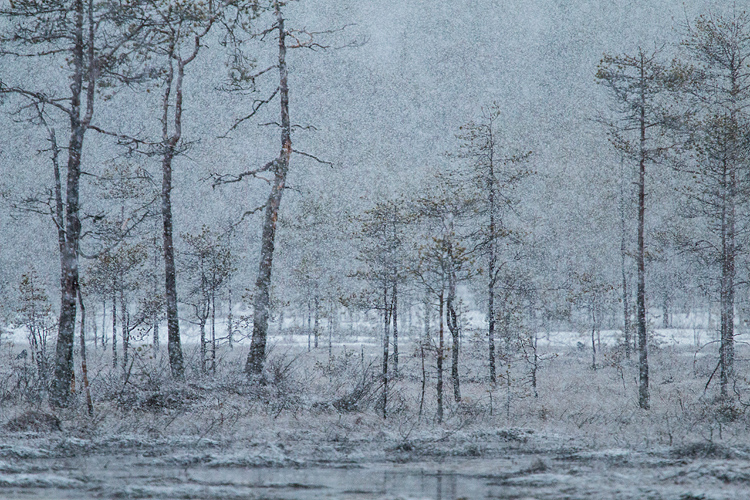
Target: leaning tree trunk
point(280, 167)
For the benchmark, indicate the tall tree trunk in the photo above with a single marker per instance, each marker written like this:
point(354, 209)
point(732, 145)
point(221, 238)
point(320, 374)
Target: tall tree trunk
point(395, 330)
point(155, 319)
point(309, 327)
point(386, 342)
point(330, 335)
point(213, 332)
point(69, 240)
point(643, 390)
point(202, 326)
point(114, 327)
point(452, 320)
point(424, 342)
point(316, 323)
point(726, 349)
point(593, 340)
point(623, 254)
point(491, 264)
point(104, 324)
point(84, 363)
point(174, 347)
point(124, 327)
point(280, 167)
point(441, 310)
point(230, 325)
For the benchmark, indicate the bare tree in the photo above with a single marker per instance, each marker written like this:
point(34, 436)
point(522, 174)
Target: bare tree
point(89, 40)
point(495, 174)
point(715, 88)
point(278, 167)
point(636, 83)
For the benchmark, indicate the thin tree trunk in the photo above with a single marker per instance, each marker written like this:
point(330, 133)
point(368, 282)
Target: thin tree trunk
point(643, 390)
point(230, 326)
point(534, 361)
point(309, 327)
point(623, 255)
point(316, 323)
point(124, 327)
point(440, 359)
point(491, 264)
point(174, 347)
point(395, 330)
point(96, 333)
point(213, 332)
point(280, 167)
point(424, 341)
point(593, 341)
point(386, 342)
point(84, 365)
point(104, 324)
point(330, 336)
point(155, 320)
point(452, 321)
point(114, 327)
point(726, 349)
point(60, 389)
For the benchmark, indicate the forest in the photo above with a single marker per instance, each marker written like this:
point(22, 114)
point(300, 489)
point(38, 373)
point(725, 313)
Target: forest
point(374, 249)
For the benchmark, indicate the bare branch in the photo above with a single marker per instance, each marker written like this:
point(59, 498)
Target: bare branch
point(248, 213)
point(35, 96)
point(257, 104)
point(220, 179)
point(330, 164)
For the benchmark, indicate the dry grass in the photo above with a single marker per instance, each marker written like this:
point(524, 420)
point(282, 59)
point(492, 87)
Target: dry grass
point(340, 399)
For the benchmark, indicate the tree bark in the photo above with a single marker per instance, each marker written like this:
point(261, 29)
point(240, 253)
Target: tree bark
point(452, 321)
point(60, 389)
point(643, 389)
point(230, 325)
point(316, 324)
point(84, 363)
point(441, 310)
point(726, 349)
point(280, 167)
point(623, 254)
point(491, 264)
point(395, 330)
point(386, 342)
point(114, 327)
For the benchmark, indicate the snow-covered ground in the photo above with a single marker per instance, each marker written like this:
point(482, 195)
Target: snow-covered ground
point(218, 436)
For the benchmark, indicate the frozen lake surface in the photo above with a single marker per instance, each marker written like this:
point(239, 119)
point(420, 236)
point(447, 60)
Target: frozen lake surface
point(614, 473)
